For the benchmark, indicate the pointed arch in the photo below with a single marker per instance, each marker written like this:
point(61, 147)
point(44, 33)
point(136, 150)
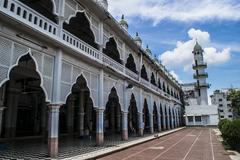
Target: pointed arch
point(153, 81)
point(155, 117)
point(133, 116)
point(144, 73)
point(111, 50)
point(44, 7)
point(131, 63)
point(146, 116)
point(35, 68)
point(79, 25)
point(29, 97)
point(112, 114)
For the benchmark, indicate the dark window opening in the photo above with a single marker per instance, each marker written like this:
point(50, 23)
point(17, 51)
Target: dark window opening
point(111, 50)
point(131, 64)
point(153, 81)
point(44, 7)
point(80, 27)
point(144, 73)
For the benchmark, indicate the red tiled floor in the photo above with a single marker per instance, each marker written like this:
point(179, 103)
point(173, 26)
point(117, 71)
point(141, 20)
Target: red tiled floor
point(187, 144)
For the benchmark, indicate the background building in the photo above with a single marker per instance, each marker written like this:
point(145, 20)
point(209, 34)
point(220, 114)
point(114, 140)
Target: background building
point(220, 99)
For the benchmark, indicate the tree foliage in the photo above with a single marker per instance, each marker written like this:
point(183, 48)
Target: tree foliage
point(234, 97)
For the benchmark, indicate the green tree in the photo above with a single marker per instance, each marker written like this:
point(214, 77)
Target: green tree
point(234, 97)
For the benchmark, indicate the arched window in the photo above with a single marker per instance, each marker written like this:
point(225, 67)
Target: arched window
point(44, 7)
point(131, 63)
point(159, 84)
point(171, 92)
point(153, 81)
point(111, 50)
point(144, 73)
point(80, 27)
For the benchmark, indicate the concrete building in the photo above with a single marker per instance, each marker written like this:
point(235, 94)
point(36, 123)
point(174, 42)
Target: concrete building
point(69, 68)
point(197, 110)
point(220, 99)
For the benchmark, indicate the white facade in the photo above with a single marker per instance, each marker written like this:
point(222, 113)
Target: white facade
point(220, 99)
point(201, 115)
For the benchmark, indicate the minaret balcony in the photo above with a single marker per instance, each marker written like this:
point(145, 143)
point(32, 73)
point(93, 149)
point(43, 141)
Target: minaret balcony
point(199, 66)
point(200, 75)
point(206, 85)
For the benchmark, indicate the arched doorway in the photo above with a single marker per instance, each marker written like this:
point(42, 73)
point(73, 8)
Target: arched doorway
point(78, 116)
point(112, 115)
point(26, 112)
point(132, 117)
point(146, 117)
point(155, 118)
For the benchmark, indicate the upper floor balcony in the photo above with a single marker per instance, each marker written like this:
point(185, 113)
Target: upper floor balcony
point(76, 34)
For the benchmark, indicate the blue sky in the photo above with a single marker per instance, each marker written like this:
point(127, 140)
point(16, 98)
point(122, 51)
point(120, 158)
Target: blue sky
point(170, 28)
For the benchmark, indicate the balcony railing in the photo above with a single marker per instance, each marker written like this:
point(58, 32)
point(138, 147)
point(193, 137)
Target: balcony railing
point(110, 62)
point(21, 12)
point(81, 45)
point(131, 74)
point(200, 75)
point(198, 66)
point(28, 16)
point(144, 82)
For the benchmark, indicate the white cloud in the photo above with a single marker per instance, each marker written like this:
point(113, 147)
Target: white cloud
point(175, 76)
point(182, 55)
point(177, 10)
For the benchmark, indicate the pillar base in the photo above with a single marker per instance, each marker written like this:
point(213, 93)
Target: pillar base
point(53, 147)
point(99, 139)
point(159, 129)
point(151, 130)
point(124, 135)
point(140, 132)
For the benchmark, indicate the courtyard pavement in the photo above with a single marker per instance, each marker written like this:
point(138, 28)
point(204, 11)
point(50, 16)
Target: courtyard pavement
point(187, 144)
point(69, 148)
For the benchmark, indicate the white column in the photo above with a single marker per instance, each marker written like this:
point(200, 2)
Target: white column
point(151, 122)
point(159, 122)
point(81, 114)
point(172, 120)
point(99, 126)
point(194, 123)
point(140, 123)
point(164, 121)
point(168, 119)
point(53, 124)
point(124, 126)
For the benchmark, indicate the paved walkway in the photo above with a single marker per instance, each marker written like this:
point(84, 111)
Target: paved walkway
point(69, 148)
point(187, 144)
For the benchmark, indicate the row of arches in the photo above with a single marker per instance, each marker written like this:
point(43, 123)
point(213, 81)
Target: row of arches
point(26, 107)
point(79, 25)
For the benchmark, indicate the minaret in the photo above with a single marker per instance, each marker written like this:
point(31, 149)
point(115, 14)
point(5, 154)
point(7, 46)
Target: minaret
point(200, 75)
